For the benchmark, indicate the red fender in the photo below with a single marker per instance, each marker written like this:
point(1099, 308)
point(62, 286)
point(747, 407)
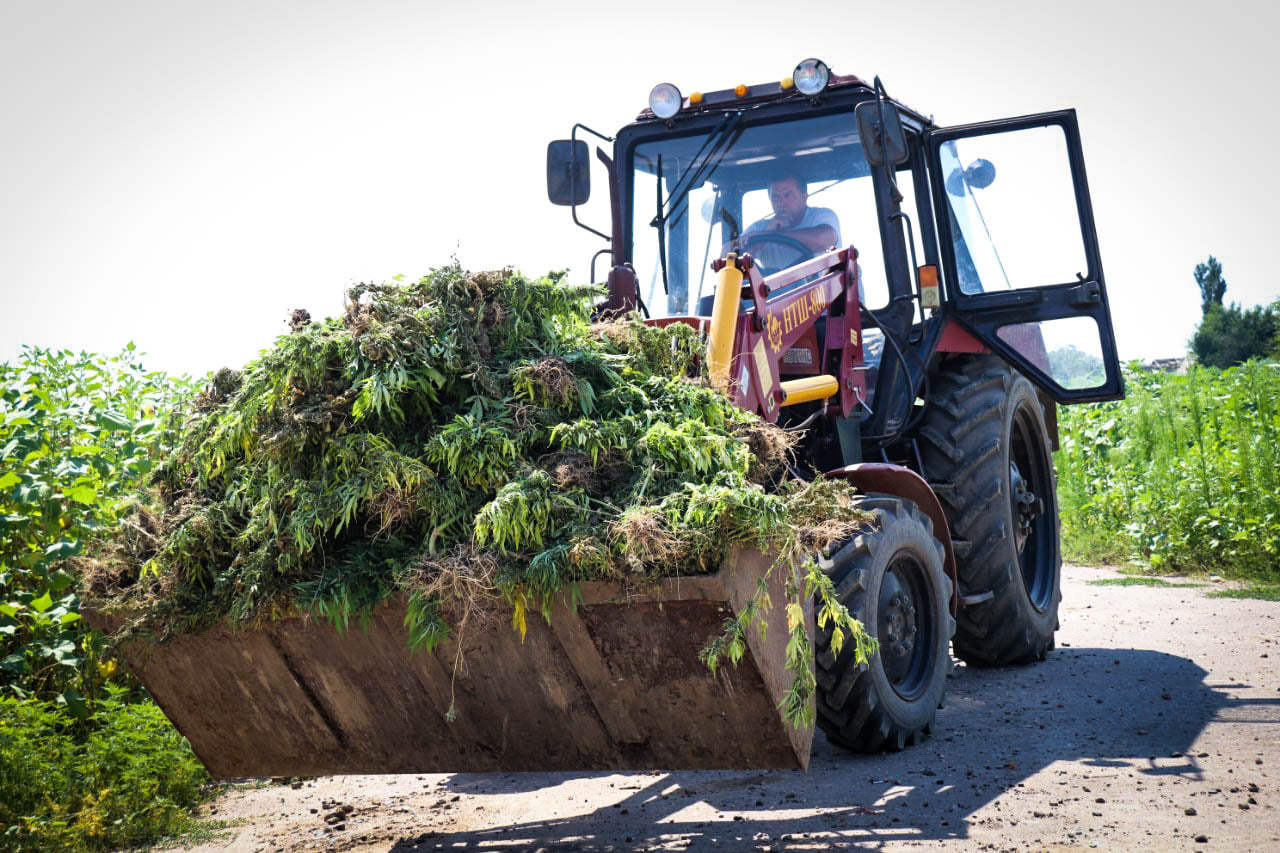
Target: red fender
point(905, 483)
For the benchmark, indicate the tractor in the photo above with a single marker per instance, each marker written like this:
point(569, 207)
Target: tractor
point(913, 301)
point(916, 300)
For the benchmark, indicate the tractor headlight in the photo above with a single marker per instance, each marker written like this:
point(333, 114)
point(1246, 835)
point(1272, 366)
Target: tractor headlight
point(811, 76)
point(665, 100)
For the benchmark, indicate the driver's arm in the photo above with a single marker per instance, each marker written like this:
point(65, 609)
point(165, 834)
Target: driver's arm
point(818, 238)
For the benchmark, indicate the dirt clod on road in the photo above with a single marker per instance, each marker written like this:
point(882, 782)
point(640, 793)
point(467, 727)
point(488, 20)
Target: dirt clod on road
point(1153, 725)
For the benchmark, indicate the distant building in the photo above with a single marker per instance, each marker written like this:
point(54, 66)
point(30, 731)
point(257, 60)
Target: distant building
point(1166, 365)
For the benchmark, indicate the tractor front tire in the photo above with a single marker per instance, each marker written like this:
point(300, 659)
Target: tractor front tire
point(891, 579)
point(985, 449)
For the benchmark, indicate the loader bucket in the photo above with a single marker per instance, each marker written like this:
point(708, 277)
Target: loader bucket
point(615, 685)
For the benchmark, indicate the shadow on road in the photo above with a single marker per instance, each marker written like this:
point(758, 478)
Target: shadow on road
point(1120, 711)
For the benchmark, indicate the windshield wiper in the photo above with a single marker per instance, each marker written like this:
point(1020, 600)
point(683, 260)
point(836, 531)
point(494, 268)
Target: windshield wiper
point(704, 163)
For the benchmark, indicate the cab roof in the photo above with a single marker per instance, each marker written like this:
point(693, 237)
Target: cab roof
point(723, 99)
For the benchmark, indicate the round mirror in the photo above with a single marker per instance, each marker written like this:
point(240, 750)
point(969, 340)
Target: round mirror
point(980, 174)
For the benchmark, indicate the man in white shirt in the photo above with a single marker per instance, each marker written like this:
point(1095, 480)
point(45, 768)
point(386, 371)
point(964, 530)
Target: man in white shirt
point(815, 228)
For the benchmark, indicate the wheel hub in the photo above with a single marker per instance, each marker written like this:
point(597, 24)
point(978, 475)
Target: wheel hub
point(901, 628)
point(904, 627)
point(1026, 506)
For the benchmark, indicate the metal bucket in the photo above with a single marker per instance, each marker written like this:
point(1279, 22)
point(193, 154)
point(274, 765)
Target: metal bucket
point(615, 685)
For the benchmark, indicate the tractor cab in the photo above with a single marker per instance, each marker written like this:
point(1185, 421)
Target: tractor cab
point(969, 239)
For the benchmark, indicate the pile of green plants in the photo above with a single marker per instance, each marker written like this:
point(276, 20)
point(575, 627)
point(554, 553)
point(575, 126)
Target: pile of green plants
point(460, 440)
point(86, 760)
point(1182, 475)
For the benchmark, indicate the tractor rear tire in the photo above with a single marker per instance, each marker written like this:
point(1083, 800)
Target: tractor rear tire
point(891, 579)
point(985, 449)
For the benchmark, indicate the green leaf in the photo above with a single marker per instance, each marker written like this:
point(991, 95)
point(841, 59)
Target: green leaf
point(11, 609)
point(9, 479)
point(68, 618)
point(60, 580)
point(42, 603)
point(9, 522)
point(62, 549)
point(111, 419)
point(83, 494)
point(74, 703)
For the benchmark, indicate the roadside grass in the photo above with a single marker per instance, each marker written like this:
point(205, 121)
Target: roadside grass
point(1259, 591)
point(1092, 547)
point(203, 831)
point(1143, 581)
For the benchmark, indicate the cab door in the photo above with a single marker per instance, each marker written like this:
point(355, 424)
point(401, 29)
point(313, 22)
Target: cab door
point(1020, 253)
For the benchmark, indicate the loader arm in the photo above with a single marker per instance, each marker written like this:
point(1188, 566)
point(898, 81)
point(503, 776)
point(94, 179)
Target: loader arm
point(813, 305)
point(746, 348)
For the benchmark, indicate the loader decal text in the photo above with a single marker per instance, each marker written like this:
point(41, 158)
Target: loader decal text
point(803, 309)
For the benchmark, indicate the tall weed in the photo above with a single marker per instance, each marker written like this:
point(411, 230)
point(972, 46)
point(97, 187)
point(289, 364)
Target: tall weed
point(1183, 474)
point(127, 778)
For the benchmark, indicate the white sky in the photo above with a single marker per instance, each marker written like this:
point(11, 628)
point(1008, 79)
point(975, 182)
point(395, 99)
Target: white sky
point(182, 174)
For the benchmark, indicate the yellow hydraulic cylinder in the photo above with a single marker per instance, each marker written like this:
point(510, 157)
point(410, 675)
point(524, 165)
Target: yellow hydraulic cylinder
point(724, 322)
point(808, 388)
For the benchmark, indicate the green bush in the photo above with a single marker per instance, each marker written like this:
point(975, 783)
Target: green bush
point(1184, 473)
point(78, 433)
point(126, 778)
point(86, 760)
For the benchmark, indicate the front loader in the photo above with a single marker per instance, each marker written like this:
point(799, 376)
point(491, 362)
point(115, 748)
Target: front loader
point(920, 357)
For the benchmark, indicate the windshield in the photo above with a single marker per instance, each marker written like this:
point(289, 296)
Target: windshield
point(792, 189)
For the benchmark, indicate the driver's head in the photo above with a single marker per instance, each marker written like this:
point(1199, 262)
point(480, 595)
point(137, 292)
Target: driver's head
point(789, 197)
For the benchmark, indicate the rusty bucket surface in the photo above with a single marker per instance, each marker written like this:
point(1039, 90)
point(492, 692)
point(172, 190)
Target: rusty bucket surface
point(615, 685)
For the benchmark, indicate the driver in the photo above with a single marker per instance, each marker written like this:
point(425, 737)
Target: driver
point(817, 228)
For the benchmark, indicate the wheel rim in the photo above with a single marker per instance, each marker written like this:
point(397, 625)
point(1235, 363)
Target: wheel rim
point(906, 626)
point(1030, 490)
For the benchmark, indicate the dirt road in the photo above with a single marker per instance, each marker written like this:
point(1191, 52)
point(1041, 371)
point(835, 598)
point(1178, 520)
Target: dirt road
point(1155, 724)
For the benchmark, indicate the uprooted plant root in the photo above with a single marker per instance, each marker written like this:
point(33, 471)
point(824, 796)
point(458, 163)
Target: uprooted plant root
point(771, 446)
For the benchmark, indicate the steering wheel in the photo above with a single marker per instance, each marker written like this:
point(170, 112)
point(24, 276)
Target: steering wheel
point(805, 253)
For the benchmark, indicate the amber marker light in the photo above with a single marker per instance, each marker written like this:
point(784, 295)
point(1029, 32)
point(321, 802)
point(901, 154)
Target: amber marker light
point(740, 90)
point(695, 99)
point(787, 84)
point(930, 296)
